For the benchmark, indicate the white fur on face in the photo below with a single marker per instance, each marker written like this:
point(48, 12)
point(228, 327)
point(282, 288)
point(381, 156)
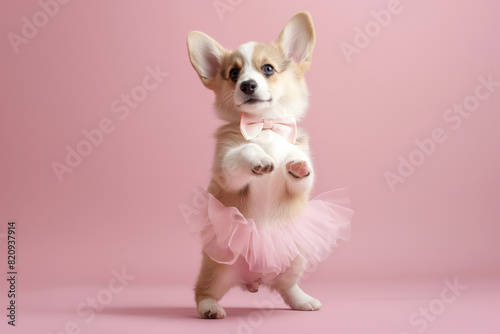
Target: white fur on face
point(249, 72)
point(288, 97)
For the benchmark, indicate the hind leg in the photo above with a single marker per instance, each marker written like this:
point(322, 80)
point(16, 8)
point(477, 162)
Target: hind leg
point(287, 287)
point(214, 281)
point(299, 300)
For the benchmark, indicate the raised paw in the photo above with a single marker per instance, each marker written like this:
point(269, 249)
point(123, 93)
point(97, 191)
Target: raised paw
point(260, 169)
point(210, 309)
point(298, 169)
point(265, 165)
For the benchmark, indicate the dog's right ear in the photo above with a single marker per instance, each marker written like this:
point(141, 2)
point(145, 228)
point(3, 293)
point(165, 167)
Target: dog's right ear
point(205, 55)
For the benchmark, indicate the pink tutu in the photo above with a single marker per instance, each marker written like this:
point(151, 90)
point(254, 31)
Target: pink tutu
point(227, 235)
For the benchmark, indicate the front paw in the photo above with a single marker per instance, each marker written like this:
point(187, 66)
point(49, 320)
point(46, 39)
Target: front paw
point(264, 166)
point(298, 169)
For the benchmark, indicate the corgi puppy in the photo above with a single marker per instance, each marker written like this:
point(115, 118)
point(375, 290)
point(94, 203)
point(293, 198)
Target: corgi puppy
point(266, 173)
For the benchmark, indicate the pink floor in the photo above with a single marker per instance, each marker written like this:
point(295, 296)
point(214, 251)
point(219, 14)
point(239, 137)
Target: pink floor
point(350, 307)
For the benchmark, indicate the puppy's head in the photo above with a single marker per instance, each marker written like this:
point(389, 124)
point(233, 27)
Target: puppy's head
point(266, 80)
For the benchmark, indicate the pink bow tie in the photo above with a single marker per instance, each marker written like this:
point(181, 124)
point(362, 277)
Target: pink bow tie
point(250, 127)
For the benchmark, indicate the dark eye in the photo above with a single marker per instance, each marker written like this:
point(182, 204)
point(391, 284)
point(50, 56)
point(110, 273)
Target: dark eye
point(268, 70)
point(233, 74)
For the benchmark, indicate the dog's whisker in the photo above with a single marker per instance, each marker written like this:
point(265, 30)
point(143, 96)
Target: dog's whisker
point(225, 99)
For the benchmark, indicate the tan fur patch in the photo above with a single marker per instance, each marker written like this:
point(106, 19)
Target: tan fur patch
point(269, 54)
point(231, 60)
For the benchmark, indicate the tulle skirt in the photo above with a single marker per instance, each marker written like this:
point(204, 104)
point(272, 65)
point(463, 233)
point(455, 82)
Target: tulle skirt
point(227, 235)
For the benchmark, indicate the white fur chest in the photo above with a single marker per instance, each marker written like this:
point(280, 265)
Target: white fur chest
point(268, 190)
point(274, 144)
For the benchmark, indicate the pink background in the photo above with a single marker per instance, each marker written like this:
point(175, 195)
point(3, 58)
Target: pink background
point(120, 206)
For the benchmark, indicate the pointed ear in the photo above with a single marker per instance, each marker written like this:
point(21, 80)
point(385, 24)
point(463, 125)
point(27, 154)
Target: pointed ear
point(205, 55)
point(297, 39)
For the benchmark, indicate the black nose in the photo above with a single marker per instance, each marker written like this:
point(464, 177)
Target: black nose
point(248, 87)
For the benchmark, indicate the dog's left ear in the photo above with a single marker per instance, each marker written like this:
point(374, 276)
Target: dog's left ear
point(297, 39)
